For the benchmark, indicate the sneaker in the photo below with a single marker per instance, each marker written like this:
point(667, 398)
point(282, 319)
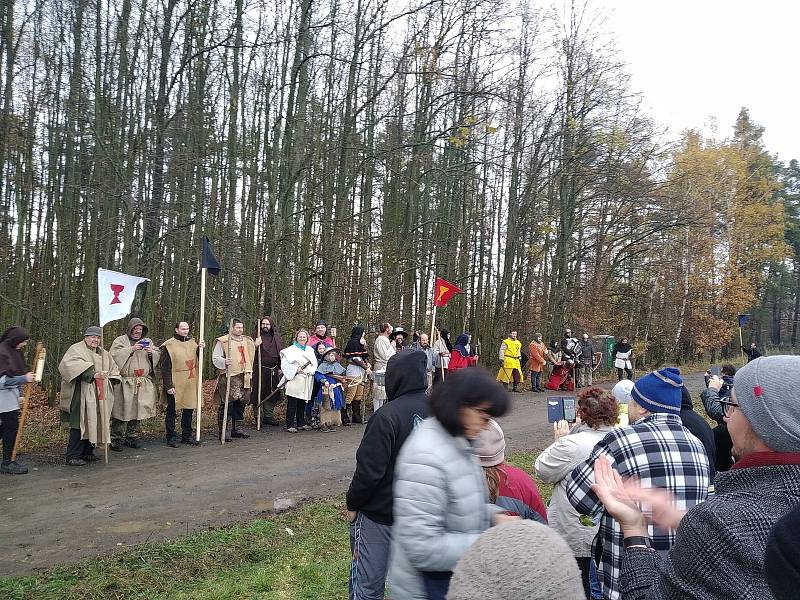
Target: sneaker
point(132, 443)
point(292, 430)
point(76, 462)
point(306, 427)
point(116, 446)
point(172, 443)
point(91, 458)
point(12, 467)
point(189, 442)
point(238, 433)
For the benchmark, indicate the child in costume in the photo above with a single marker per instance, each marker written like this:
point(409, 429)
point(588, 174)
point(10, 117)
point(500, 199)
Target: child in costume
point(330, 399)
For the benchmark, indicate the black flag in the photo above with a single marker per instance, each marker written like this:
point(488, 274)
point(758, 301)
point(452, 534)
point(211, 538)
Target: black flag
point(208, 260)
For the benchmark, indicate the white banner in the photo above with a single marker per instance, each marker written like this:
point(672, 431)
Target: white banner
point(115, 293)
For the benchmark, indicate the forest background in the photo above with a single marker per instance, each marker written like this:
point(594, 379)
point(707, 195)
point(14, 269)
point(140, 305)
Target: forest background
point(340, 155)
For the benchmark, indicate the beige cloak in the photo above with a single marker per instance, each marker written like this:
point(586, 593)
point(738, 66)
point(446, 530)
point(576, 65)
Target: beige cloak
point(135, 399)
point(183, 355)
point(94, 412)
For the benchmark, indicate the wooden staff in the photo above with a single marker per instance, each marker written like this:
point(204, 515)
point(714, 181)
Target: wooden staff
point(39, 371)
point(260, 377)
point(227, 386)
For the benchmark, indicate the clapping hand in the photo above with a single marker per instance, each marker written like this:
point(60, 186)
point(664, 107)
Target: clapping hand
point(610, 490)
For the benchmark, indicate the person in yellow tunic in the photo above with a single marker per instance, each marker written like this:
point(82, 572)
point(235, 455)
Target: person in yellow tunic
point(239, 367)
point(510, 356)
point(135, 399)
point(179, 370)
point(87, 372)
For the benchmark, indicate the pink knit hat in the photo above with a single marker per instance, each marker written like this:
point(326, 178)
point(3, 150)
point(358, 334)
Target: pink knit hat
point(490, 445)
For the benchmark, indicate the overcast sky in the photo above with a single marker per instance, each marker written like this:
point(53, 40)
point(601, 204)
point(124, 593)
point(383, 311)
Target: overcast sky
point(698, 59)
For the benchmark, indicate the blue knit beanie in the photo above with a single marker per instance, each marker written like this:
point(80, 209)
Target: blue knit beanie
point(659, 391)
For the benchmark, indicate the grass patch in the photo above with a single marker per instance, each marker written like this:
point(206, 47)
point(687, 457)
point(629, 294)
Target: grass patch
point(255, 560)
point(259, 559)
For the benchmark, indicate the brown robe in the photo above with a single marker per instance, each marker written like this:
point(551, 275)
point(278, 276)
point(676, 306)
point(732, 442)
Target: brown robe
point(94, 411)
point(136, 397)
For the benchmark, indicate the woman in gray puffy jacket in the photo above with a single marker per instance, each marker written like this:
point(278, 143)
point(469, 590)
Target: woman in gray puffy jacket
point(441, 502)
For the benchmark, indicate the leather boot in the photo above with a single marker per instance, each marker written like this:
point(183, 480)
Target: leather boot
point(356, 408)
point(345, 416)
point(236, 432)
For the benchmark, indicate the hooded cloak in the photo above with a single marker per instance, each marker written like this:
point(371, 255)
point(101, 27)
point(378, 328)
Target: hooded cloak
point(12, 363)
point(135, 397)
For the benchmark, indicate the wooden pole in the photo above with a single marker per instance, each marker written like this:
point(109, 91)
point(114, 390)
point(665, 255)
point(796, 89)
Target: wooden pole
point(227, 386)
point(104, 402)
point(433, 324)
point(200, 352)
point(260, 377)
point(38, 362)
point(741, 346)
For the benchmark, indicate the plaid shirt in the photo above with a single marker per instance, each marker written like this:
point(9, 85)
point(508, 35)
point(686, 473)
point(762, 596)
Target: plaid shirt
point(661, 453)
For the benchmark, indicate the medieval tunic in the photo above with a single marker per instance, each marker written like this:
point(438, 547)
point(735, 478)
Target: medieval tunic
point(240, 371)
point(179, 371)
point(510, 354)
point(383, 352)
point(136, 396)
point(88, 400)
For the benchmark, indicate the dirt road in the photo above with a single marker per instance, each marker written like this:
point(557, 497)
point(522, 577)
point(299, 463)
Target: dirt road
point(58, 514)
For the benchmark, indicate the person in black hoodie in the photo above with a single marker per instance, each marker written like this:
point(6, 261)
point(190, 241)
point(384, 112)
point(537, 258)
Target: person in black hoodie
point(369, 499)
point(698, 427)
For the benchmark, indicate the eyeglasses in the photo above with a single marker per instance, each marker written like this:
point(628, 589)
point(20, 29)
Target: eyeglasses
point(728, 407)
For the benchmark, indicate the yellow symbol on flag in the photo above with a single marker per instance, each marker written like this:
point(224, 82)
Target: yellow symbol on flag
point(443, 289)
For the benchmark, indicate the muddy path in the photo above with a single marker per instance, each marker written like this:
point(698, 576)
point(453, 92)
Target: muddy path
point(58, 514)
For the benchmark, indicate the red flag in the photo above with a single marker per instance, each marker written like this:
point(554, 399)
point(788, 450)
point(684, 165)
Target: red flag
point(443, 291)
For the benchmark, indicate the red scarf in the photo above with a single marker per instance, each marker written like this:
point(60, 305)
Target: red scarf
point(767, 458)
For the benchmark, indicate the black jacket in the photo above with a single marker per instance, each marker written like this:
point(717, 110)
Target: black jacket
point(752, 353)
point(407, 405)
point(699, 428)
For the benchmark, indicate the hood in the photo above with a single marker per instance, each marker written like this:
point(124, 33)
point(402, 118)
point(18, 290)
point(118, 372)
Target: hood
point(357, 332)
point(462, 340)
point(133, 323)
point(686, 398)
point(405, 373)
point(11, 360)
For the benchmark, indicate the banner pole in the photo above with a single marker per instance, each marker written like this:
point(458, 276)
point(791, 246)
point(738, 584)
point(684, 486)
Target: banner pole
point(200, 351)
point(741, 346)
point(106, 417)
point(433, 324)
point(260, 377)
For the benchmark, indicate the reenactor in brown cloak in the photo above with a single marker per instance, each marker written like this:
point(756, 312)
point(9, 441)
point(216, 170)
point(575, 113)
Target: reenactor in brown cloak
point(135, 398)
point(87, 372)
